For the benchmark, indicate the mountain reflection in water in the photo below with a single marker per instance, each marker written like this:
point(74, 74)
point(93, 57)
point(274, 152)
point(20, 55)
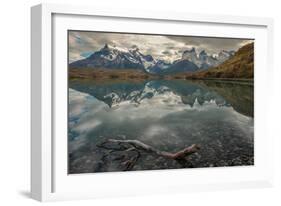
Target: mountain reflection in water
point(166, 114)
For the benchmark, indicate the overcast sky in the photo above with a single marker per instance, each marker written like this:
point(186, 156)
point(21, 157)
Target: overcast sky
point(168, 48)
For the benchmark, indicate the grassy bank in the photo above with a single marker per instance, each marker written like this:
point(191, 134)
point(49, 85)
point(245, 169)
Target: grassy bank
point(109, 74)
point(100, 75)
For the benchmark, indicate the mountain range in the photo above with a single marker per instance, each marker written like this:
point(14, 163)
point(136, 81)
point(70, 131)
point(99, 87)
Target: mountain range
point(112, 57)
point(239, 66)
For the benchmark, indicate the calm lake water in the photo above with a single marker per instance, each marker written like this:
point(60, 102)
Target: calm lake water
point(166, 114)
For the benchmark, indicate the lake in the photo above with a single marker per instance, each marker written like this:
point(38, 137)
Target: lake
point(167, 115)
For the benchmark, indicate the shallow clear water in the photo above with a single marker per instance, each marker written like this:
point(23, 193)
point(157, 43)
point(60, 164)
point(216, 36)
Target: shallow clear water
point(166, 114)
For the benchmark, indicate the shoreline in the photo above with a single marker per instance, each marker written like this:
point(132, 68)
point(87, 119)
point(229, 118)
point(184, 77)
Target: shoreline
point(135, 75)
point(225, 80)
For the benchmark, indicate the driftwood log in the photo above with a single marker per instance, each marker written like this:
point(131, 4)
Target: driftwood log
point(182, 154)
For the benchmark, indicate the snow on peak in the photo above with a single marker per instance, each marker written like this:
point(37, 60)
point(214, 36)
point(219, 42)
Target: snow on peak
point(114, 48)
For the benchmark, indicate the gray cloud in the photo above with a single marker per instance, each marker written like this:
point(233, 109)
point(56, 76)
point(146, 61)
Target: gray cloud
point(166, 52)
point(211, 45)
point(168, 48)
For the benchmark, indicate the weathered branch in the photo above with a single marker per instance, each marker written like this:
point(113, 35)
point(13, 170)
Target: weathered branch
point(176, 156)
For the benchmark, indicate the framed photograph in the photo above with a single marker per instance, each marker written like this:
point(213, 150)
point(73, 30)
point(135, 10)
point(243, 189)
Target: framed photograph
point(138, 102)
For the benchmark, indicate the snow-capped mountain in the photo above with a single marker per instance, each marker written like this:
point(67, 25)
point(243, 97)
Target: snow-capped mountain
point(146, 60)
point(112, 57)
point(190, 62)
point(224, 55)
point(191, 55)
point(159, 67)
point(205, 61)
point(180, 65)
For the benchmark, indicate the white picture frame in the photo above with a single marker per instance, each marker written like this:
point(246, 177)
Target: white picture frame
point(49, 180)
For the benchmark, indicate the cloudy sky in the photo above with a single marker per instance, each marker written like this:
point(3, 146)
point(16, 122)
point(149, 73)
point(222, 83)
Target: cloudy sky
point(168, 48)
